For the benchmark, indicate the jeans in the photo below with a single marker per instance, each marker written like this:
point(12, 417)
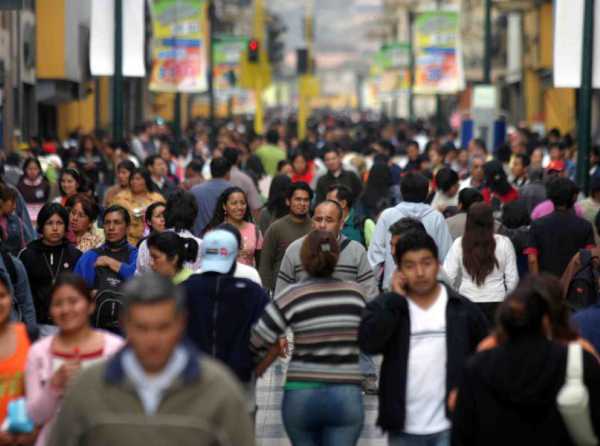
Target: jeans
point(367, 365)
point(402, 439)
point(331, 415)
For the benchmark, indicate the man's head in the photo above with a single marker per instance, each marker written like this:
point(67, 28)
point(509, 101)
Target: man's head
point(116, 222)
point(477, 171)
point(193, 173)
point(332, 159)
point(232, 155)
point(272, 137)
point(219, 251)
point(342, 195)
point(153, 318)
point(417, 261)
point(329, 217)
point(156, 166)
point(220, 168)
point(414, 187)
point(556, 152)
point(404, 226)
point(298, 199)
point(520, 165)
point(467, 197)
point(477, 147)
point(412, 150)
point(447, 181)
point(8, 200)
point(562, 192)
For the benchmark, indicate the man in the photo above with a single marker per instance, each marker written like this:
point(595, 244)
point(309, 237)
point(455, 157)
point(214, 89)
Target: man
point(207, 194)
point(143, 145)
point(591, 205)
point(270, 153)
point(193, 174)
point(414, 154)
point(426, 332)
point(284, 231)
point(336, 175)
point(518, 170)
point(458, 222)
point(222, 309)
point(446, 196)
point(156, 390)
point(415, 188)
point(534, 192)
point(243, 180)
point(114, 262)
point(158, 173)
point(477, 148)
point(355, 228)
point(477, 178)
point(555, 238)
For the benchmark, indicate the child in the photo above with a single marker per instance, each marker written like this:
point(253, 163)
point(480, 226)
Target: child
point(13, 235)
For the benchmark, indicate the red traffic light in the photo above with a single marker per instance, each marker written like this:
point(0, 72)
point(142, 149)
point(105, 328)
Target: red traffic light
point(253, 50)
point(253, 45)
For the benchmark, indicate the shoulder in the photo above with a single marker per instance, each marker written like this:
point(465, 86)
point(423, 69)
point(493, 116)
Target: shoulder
point(41, 347)
point(113, 342)
point(154, 196)
point(462, 302)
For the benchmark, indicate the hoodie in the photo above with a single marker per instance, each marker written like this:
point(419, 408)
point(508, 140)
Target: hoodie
point(380, 250)
point(508, 395)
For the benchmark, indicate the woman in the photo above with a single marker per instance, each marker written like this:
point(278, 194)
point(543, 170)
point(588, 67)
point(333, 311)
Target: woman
point(497, 190)
point(508, 394)
point(124, 171)
point(90, 160)
point(14, 345)
point(46, 258)
point(276, 206)
point(70, 183)
point(324, 315)
point(232, 207)
point(168, 252)
point(154, 218)
point(139, 196)
point(54, 361)
point(379, 192)
point(482, 265)
point(34, 187)
point(303, 169)
point(82, 218)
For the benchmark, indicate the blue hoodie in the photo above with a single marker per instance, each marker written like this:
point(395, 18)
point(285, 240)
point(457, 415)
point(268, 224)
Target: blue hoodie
point(380, 250)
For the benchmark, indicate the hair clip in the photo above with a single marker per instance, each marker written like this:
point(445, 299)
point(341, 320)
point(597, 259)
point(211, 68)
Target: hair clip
point(325, 247)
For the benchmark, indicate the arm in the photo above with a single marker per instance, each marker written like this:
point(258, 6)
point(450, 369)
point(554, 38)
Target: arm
point(267, 330)
point(369, 230)
point(377, 248)
point(452, 264)
point(511, 274)
point(464, 416)
point(379, 322)
point(533, 251)
point(444, 239)
point(365, 276)
point(534, 266)
point(287, 273)
point(127, 270)
point(267, 259)
point(142, 264)
point(25, 299)
point(85, 268)
point(42, 398)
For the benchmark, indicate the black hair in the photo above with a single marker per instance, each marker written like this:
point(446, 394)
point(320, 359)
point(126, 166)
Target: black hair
point(525, 160)
point(149, 211)
point(412, 142)
point(469, 196)
point(47, 211)
point(414, 187)
point(88, 205)
point(171, 244)
point(296, 153)
point(515, 214)
point(219, 213)
point(330, 149)
point(32, 159)
point(181, 210)
point(281, 163)
point(594, 185)
point(119, 209)
point(446, 179)
point(151, 159)
point(343, 192)
point(495, 177)
point(406, 225)
point(272, 136)
point(300, 185)
point(415, 241)
point(75, 174)
point(146, 176)
point(235, 231)
point(127, 165)
point(219, 167)
point(480, 143)
point(195, 165)
point(232, 155)
point(278, 192)
point(562, 192)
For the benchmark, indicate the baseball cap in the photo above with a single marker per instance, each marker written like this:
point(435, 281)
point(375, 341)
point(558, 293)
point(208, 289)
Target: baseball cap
point(556, 165)
point(219, 251)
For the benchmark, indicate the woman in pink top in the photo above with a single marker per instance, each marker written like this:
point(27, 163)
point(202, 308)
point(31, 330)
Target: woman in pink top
point(54, 361)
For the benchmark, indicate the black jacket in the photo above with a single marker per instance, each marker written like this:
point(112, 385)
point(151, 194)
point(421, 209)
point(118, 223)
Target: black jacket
point(42, 262)
point(508, 395)
point(385, 329)
point(347, 178)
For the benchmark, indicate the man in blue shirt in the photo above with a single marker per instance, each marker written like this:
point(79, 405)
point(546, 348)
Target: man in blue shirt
point(207, 194)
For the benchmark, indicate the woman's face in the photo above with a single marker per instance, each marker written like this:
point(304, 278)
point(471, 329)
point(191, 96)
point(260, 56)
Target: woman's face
point(157, 221)
point(235, 206)
point(160, 264)
point(123, 177)
point(69, 184)
point(79, 222)
point(299, 165)
point(54, 230)
point(70, 310)
point(32, 171)
point(5, 305)
point(138, 184)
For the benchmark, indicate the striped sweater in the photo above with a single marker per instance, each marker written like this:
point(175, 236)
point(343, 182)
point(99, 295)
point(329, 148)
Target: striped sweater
point(324, 315)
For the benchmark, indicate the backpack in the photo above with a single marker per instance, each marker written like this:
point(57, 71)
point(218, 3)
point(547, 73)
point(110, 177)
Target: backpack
point(108, 309)
point(583, 288)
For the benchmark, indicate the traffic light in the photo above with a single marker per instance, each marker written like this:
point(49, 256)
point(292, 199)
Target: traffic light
point(275, 40)
point(253, 51)
point(302, 62)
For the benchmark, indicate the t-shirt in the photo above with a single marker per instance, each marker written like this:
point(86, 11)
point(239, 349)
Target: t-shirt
point(270, 156)
point(426, 378)
point(556, 238)
point(12, 371)
point(252, 241)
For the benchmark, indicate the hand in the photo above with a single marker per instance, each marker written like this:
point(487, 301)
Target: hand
point(63, 376)
point(452, 396)
point(284, 347)
point(26, 439)
point(399, 283)
point(108, 262)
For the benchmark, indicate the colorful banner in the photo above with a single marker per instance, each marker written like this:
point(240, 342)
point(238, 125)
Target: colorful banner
point(228, 51)
point(179, 51)
point(438, 60)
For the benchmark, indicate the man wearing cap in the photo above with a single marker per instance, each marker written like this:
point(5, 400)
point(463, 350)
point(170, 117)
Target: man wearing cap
point(222, 308)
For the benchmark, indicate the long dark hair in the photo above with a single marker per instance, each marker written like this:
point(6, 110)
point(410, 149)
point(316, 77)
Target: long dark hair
point(146, 176)
point(496, 178)
point(171, 244)
point(35, 161)
point(478, 243)
point(219, 215)
point(377, 189)
point(276, 204)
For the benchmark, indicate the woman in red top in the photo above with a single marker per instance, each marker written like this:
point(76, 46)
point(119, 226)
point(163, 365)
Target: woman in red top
point(303, 169)
point(497, 191)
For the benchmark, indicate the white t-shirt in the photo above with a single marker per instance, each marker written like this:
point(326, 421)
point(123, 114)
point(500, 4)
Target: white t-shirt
point(426, 378)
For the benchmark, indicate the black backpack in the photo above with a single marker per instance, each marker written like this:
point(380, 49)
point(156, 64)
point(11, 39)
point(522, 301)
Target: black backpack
point(583, 288)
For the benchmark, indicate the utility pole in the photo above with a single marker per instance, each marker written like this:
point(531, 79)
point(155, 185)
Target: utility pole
point(585, 99)
point(117, 87)
point(411, 49)
point(177, 117)
point(212, 135)
point(487, 53)
point(259, 34)
point(303, 105)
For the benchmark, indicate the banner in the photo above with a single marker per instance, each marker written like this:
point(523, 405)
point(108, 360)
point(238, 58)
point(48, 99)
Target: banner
point(438, 59)
point(227, 52)
point(179, 50)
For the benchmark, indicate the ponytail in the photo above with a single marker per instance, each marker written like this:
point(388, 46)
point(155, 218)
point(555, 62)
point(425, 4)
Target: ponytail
point(171, 244)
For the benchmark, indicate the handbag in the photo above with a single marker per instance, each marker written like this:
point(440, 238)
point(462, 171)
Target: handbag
point(573, 400)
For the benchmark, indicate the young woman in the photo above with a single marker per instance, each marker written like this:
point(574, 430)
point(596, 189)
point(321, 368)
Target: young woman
point(90, 160)
point(497, 190)
point(124, 171)
point(139, 196)
point(54, 361)
point(483, 263)
point(322, 400)
point(34, 187)
point(276, 206)
point(169, 252)
point(70, 183)
point(233, 208)
point(379, 192)
point(303, 169)
point(155, 218)
point(82, 219)
point(14, 345)
point(46, 258)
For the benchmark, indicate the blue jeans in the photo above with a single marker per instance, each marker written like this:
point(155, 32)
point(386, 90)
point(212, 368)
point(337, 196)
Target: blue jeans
point(331, 415)
point(367, 365)
point(402, 439)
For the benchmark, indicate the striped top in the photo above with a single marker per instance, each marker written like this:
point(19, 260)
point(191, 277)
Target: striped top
point(324, 315)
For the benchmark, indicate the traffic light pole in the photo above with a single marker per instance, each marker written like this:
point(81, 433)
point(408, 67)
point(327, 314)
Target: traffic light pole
point(117, 87)
point(487, 54)
point(212, 135)
point(259, 34)
point(585, 99)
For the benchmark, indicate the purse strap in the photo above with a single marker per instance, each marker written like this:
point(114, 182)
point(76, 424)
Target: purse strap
point(575, 363)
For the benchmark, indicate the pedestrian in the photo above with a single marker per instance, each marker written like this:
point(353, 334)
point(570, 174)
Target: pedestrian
point(446, 195)
point(481, 265)
point(34, 187)
point(124, 171)
point(497, 191)
point(270, 153)
point(322, 401)
point(156, 389)
point(12, 228)
point(154, 218)
point(90, 161)
point(466, 198)
point(356, 226)
point(241, 179)
point(518, 171)
point(54, 361)
point(303, 169)
point(70, 182)
point(476, 179)
point(276, 206)
point(336, 174)
point(534, 192)
point(168, 254)
point(158, 169)
point(426, 332)
point(83, 215)
point(379, 193)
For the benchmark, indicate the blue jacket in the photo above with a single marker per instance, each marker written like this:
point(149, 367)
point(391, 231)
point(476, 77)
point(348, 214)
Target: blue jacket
point(86, 265)
point(221, 312)
point(588, 323)
point(23, 308)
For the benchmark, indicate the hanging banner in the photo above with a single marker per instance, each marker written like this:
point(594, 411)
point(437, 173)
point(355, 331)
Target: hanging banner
point(438, 59)
point(179, 50)
point(227, 52)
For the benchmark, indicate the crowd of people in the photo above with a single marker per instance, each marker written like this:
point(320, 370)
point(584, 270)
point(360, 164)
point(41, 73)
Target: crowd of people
point(145, 286)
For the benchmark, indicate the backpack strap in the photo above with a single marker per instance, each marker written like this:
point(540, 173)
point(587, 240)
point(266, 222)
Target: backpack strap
point(344, 244)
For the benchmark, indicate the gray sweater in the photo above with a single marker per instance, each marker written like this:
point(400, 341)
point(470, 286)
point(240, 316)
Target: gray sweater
point(352, 266)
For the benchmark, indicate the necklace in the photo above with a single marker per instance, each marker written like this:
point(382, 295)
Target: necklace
point(54, 274)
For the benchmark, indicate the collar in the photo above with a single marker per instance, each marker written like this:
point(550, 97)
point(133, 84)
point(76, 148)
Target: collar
point(115, 374)
point(333, 175)
point(160, 182)
point(350, 216)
